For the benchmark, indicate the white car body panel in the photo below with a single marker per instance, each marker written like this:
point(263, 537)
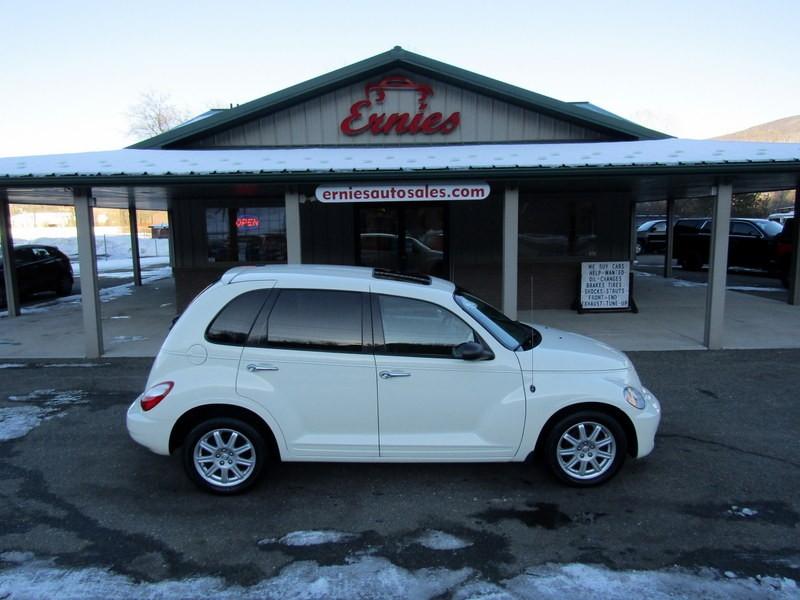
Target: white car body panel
point(328, 406)
point(325, 401)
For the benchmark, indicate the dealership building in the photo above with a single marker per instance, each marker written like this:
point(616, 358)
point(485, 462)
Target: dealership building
point(404, 162)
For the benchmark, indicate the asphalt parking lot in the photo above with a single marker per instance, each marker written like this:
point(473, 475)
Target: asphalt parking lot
point(719, 491)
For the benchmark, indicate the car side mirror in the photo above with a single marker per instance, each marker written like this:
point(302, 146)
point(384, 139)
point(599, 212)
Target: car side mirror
point(472, 351)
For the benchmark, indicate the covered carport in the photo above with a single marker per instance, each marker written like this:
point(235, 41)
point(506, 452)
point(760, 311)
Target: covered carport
point(651, 170)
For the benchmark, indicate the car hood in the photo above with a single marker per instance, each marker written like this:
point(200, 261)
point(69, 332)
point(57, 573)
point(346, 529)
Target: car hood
point(564, 351)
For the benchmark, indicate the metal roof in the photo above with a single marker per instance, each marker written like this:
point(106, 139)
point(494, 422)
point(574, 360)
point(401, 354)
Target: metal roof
point(397, 58)
point(327, 163)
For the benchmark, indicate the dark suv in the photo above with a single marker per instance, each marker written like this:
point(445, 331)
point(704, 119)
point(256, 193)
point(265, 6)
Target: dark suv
point(39, 269)
point(751, 243)
point(651, 237)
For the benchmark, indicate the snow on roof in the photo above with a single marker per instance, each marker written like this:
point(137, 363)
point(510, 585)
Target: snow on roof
point(411, 159)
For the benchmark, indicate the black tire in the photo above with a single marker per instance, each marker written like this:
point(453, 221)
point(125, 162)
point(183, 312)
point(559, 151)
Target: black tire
point(224, 465)
point(64, 286)
point(610, 438)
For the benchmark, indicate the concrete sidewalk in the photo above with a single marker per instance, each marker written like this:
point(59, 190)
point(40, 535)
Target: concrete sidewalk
point(671, 316)
point(135, 322)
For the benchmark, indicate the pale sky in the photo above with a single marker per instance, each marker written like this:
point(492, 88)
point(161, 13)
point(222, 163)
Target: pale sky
point(70, 71)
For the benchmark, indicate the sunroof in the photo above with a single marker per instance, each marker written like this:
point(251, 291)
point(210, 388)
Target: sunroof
point(420, 278)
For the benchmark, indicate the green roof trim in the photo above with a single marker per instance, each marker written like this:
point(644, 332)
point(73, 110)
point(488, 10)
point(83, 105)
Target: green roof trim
point(493, 174)
point(398, 58)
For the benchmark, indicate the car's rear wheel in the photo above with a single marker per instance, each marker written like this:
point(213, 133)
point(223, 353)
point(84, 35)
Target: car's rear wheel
point(586, 448)
point(224, 456)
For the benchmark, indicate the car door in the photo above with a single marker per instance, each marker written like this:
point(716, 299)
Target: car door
point(747, 246)
point(309, 363)
point(27, 274)
point(433, 406)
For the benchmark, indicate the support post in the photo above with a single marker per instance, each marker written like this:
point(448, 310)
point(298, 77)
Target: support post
point(7, 244)
point(718, 267)
point(293, 249)
point(510, 250)
point(134, 227)
point(794, 266)
point(669, 246)
point(87, 257)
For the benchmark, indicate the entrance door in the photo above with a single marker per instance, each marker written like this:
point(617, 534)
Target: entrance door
point(411, 239)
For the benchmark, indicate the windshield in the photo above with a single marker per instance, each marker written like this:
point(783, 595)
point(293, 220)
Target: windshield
point(771, 228)
point(512, 334)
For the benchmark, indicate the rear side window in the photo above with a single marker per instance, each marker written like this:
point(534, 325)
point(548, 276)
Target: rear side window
point(232, 324)
point(316, 320)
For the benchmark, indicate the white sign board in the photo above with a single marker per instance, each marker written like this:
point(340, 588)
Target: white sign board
point(403, 192)
point(605, 285)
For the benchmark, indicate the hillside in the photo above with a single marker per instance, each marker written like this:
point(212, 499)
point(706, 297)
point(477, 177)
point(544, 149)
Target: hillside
point(782, 130)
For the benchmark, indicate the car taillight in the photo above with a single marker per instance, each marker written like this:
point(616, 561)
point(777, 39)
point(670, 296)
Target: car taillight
point(155, 394)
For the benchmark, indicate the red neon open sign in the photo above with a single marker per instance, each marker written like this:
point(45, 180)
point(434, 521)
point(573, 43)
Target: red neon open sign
point(247, 222)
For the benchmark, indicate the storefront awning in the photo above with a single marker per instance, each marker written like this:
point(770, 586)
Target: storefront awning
point(666, 156)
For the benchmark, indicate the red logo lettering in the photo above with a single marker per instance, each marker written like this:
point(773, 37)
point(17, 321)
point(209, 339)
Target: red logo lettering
point(357, 122)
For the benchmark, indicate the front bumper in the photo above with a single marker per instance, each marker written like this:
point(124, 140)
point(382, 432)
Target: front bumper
point(147, 431)
point(646, 424)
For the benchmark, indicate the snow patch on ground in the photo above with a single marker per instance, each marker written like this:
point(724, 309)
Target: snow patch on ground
point(12, 365)
point(439, 540)
point(128, 338)
point(24, 576)
point(682, 283)
point(310, 538)
point(586, 581)
point(741, 511)
point(18, 421)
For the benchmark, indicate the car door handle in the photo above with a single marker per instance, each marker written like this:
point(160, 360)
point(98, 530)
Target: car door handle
point(391, 374)
point(253, 367)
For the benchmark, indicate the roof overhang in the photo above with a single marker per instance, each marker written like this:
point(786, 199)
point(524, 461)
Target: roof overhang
point(485, 161)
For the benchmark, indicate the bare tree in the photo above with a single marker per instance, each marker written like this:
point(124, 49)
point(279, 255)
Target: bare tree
point(154, 113)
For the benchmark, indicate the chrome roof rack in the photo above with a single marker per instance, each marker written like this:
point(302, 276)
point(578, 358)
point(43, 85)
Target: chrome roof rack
point(419, 278)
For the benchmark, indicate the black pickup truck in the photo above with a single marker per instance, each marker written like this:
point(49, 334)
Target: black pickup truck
point(751, 243)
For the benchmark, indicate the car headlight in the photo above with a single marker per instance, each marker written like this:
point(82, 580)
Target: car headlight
point(634, 397)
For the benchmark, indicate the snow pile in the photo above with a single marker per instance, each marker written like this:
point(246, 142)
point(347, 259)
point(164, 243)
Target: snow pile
point(310, 538)
point(19, 421)
point(375, 577)
point(12, 365)
point(121, 268)
point(439, 540)
point(106, 246)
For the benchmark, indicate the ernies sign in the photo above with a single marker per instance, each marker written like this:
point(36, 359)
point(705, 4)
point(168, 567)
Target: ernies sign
point(363, 118)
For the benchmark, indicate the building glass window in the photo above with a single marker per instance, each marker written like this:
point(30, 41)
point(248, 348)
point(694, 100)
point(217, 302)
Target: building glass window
point(237, 234)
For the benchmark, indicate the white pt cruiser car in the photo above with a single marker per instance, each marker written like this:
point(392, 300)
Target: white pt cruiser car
point(328, 363)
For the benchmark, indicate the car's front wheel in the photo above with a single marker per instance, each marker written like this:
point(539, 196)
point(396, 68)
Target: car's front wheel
point(224, 456)
point(586, 448)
